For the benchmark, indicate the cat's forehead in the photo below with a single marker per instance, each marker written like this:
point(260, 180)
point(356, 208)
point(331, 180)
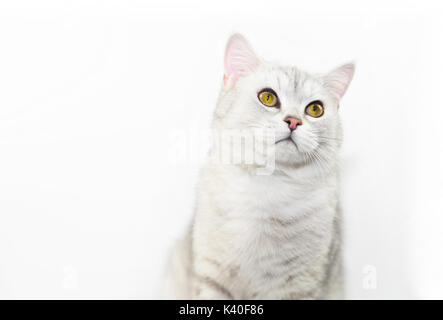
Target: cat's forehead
point(284, 78)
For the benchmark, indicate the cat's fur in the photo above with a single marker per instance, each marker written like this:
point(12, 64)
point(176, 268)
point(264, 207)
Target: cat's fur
point(271, 236)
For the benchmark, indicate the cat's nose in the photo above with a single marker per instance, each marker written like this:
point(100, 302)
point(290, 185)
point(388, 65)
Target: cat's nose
point(292, 122)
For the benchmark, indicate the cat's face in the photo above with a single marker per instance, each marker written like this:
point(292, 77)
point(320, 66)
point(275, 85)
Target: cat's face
point(302, 109)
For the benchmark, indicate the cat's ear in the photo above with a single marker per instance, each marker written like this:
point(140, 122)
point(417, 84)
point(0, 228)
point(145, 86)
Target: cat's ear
point(338, 80)
point(240, 60)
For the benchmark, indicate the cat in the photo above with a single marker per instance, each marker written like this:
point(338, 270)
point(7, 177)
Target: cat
point(275, 235)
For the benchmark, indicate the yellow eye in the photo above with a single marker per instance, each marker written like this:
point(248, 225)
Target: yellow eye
point(268, 98)
point(314, 109)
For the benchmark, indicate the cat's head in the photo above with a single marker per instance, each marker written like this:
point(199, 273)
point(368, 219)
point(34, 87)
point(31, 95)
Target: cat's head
point(302, 108)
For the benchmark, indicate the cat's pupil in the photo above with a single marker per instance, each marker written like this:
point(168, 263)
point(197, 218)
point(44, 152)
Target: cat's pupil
point(268, 96)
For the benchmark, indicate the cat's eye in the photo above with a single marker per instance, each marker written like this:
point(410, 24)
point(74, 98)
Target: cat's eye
point(315, 109)
point(268, 97)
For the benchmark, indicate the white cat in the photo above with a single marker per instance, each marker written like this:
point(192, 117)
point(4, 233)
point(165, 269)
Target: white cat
point(268, 236)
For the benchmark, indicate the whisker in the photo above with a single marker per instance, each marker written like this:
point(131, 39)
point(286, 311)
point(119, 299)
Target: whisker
point(330, 138)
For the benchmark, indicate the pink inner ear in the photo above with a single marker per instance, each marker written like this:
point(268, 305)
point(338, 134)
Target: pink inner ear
point(240, 60)
point(338, 80)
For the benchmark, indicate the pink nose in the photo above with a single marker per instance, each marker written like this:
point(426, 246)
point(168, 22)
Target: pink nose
point(292, 122)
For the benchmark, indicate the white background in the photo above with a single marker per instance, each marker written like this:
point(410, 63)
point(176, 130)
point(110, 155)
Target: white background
point(90, 91)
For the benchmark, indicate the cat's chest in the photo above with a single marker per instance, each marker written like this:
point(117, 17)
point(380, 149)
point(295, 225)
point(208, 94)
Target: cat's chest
point(276, 252)
point(272, 230)
point(287, 225)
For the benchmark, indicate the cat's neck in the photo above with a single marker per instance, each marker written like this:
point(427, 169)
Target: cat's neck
point(306, 174)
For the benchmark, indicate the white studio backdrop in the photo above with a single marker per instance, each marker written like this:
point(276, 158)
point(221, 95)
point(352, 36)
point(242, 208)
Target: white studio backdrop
point(90, 92)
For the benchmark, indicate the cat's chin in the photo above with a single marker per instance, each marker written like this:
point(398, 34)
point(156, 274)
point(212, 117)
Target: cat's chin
point(286, 144)
point(287, 152)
